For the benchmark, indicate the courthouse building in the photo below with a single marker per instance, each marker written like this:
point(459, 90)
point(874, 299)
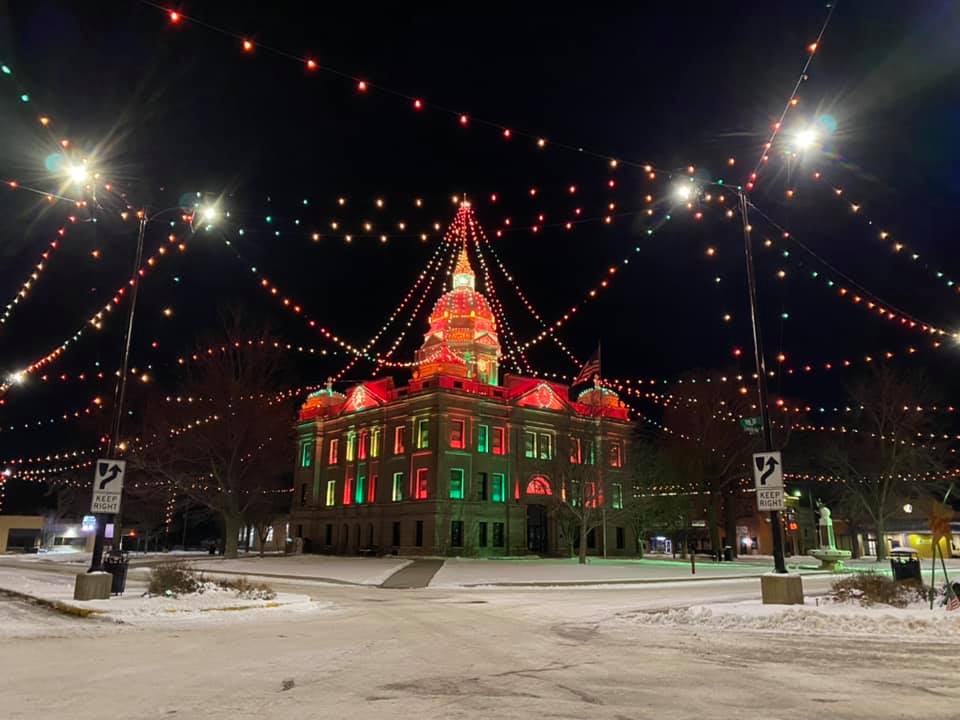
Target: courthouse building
point(457, 461)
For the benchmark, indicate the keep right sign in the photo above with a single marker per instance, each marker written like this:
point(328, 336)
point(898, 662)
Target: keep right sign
point(768, 480)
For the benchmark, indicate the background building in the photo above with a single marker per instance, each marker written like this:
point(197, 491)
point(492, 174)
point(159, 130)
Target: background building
point(456, 463)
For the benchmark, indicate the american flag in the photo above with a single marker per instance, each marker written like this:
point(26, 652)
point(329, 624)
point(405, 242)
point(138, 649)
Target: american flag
point(590, 368)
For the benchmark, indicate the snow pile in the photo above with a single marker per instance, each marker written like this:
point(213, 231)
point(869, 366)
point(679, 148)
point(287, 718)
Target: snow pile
point(829, 618)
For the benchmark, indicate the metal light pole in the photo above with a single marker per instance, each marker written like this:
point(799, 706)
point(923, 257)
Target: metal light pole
point(778, 560)
point(120, 393)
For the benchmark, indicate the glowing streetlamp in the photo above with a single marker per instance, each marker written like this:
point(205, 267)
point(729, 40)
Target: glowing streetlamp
point(78, 174)
point(684, 191)
point(805, 139)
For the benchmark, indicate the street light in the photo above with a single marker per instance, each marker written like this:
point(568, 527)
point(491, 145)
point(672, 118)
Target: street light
point(121, 387)
point(7, 472)
point(78, 174)
point(805, 139)
point(683, 191)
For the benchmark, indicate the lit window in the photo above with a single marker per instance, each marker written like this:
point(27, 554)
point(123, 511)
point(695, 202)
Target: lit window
point(576, 451)
point(364, 444)
point(398, 440)
point(592, 495)
point(498, 490)
point(360, 492)
point(331, 492)
point(617, 502)
point(375, 443)
point(351, 446)
point(306, 453)
point(591, 452)
point(456, 484)
point(348, 489)
point(499, 441)
point(420, 491)
point(397, 494)
point(334, 452)
point(423, 434)
point(616, 458)
point(372, 490)
point(483, 438)
point(544, 446)
point(539, 485)
point(529, 445)
point(457, 434)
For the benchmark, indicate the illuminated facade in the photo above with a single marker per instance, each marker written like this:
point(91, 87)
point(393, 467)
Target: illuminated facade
point(455, 463)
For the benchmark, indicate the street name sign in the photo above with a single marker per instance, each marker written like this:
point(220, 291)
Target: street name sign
point(107, 486)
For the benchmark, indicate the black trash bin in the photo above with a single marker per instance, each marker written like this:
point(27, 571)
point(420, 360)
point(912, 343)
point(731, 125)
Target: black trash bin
point(116, 565)
point(905, 565)
point(728, 553)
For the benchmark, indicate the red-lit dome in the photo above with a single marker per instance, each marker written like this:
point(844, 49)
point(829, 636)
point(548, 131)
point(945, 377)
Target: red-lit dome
point(462, 323)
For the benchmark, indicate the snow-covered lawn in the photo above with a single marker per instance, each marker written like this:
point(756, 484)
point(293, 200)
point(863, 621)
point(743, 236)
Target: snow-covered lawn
point(464, 572)
point(133, 608)
point(356, 570)
point(817, 616)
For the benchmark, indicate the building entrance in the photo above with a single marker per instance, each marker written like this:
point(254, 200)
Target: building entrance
point(537, 529)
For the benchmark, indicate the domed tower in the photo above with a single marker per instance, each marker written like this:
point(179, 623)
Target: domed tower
point(462, 327)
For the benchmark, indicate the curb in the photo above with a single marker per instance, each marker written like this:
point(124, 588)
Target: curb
point(588, 583)
point(55, 605)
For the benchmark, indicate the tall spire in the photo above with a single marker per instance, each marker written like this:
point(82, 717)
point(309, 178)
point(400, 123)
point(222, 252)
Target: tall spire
point(463, 275)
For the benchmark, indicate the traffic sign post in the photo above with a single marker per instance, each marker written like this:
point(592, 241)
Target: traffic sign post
point(768, 481)
point(105, 501)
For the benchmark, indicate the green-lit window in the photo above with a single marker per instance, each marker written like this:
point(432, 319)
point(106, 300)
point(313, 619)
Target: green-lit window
point(544, 446)
point(529, 445)
point(617, 490)
point(397, 493)
point(456, 484)
point(331, 492)
point(483, 438)
point(359, 494)
point(498, 491)
point(306, 453)
point(591, 452)
point(423, 434)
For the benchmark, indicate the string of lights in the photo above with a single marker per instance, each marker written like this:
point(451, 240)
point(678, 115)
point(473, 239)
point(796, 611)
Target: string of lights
point(792, 101)
point(248, 45)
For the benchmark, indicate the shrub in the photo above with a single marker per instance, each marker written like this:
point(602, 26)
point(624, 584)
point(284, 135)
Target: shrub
point(248, 590)
point(173, 579)
point(870, 588)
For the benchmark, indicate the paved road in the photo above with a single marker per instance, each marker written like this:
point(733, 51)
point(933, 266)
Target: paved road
point(500, 653)
point(417, 574)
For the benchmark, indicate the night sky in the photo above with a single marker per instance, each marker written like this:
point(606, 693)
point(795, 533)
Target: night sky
point(170, 110)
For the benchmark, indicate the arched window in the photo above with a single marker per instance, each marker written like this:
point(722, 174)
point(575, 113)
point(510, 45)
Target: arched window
point(539, 485)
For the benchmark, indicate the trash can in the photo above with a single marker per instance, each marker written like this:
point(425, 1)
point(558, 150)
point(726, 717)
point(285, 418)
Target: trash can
point(116, 564)
point(905, 565)
point(728, 553)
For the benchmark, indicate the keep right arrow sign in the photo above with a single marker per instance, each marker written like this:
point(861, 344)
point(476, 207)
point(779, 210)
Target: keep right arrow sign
point(767, 470)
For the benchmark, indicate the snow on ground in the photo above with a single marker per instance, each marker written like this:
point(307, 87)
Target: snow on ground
point(817, 616)
point(355, 570)
point(134, 608)
point(465, 572)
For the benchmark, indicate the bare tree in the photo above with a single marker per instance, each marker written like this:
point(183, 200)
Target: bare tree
point(888, 438)
point(225, 438)
point(652, 502)
point(579, 503)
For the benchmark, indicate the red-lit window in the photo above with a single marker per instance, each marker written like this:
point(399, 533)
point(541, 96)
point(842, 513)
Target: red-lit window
point(372, 490)
point(499, 441)
point(576, 451)
point(348, 489)
point(420, 488)
point(457, 434)
point(539, 485)
point(616, 457)
point(592, 495)
point(364, 444)
point(398, 440)
point(333, 455)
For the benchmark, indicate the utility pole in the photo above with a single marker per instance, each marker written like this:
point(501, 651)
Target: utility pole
point(761, 365)
point(96, 562)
